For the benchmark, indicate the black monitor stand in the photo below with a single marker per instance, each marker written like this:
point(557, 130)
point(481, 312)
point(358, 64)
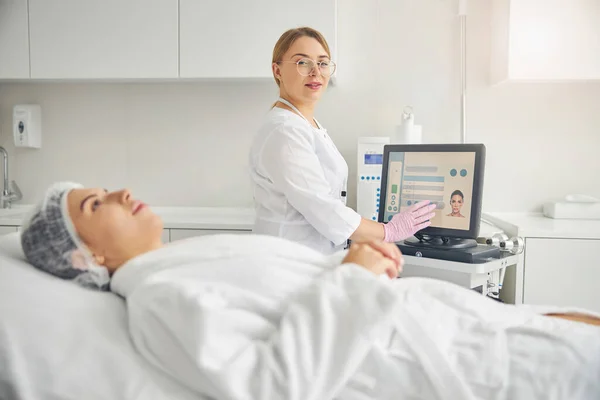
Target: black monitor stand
point(440, 242)
point(448, 248)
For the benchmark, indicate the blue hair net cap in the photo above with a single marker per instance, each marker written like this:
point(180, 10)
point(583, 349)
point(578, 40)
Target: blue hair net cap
point(50, 242)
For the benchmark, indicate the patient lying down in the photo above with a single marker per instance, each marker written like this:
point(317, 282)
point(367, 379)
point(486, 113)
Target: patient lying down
point(257, 317)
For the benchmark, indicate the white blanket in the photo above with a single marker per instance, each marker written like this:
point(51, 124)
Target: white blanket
point(254, 317)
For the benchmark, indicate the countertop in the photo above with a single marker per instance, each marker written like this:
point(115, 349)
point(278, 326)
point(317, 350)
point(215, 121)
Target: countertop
point(221, 218)
point(206, 217)
point(536, 225)
point(242, 218)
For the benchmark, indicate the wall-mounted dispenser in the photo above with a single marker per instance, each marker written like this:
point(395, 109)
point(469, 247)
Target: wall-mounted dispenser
point(27, 125)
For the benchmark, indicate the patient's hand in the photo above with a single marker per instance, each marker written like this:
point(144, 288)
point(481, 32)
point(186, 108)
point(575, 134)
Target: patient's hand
point(378, 257)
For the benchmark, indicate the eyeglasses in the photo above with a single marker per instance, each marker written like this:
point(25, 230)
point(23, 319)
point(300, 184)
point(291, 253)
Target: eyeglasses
point(306, 66)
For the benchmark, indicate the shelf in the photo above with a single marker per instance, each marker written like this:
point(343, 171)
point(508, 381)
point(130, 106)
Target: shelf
point(466, 268)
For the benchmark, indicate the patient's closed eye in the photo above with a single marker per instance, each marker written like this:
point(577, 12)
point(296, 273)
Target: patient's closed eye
point(95, 204)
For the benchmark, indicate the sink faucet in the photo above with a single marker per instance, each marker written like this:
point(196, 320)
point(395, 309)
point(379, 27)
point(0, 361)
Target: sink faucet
point(9, 193)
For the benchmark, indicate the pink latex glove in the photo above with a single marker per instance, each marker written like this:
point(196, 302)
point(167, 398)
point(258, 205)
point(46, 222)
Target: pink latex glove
point(406, 223)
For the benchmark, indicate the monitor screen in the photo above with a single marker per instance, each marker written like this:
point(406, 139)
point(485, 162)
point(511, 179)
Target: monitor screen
point(449, 177)
point(371, 159)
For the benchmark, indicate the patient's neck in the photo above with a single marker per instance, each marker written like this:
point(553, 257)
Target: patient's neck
point(114, 263)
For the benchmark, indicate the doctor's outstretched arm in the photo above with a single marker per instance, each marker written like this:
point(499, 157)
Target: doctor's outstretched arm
point(403, 225)
point(289, 158)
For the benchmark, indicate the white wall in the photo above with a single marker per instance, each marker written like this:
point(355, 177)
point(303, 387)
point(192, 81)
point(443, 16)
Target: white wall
point(187, 143)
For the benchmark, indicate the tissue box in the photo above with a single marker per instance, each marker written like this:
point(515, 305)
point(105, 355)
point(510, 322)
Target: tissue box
point(571, 210)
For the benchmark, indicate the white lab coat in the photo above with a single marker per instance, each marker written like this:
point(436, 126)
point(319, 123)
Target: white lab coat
point(251, 317)
point(298, 176)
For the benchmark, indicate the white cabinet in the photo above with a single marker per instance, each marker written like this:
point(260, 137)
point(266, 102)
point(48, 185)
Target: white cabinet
point(14, 40)
point(178, 234)
point(235, 38)
point(168, 235)
point(562, 272)
point(544, 40)
point(151, 39)
point(109, 39)
point(5, 230)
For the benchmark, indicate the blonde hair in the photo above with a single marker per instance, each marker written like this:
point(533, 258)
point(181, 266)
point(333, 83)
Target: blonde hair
point(289, 37)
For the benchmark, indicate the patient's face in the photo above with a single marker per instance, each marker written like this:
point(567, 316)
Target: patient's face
point(114, 225)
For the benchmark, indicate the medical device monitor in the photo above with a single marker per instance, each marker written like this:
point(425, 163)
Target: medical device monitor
point(449, 175)
point(374, 159)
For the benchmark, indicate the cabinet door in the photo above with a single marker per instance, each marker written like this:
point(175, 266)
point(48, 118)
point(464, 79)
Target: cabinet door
point(178, 234)
point(14, 40)
point(546, 40)
point(91, 39)
point(235, 38)
point(5, 230)
point(562, 272)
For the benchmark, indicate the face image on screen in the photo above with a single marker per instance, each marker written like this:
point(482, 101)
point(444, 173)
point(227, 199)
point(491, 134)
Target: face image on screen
point(444, 178)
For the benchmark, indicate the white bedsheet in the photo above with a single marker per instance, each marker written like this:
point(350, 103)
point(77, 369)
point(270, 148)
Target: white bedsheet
point(60, 341)
point(249, 317)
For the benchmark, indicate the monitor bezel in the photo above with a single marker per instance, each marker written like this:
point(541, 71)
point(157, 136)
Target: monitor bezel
point(478, 174)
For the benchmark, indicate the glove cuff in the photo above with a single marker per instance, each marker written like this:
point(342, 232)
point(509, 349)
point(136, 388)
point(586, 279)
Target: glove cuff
point(387, 233)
